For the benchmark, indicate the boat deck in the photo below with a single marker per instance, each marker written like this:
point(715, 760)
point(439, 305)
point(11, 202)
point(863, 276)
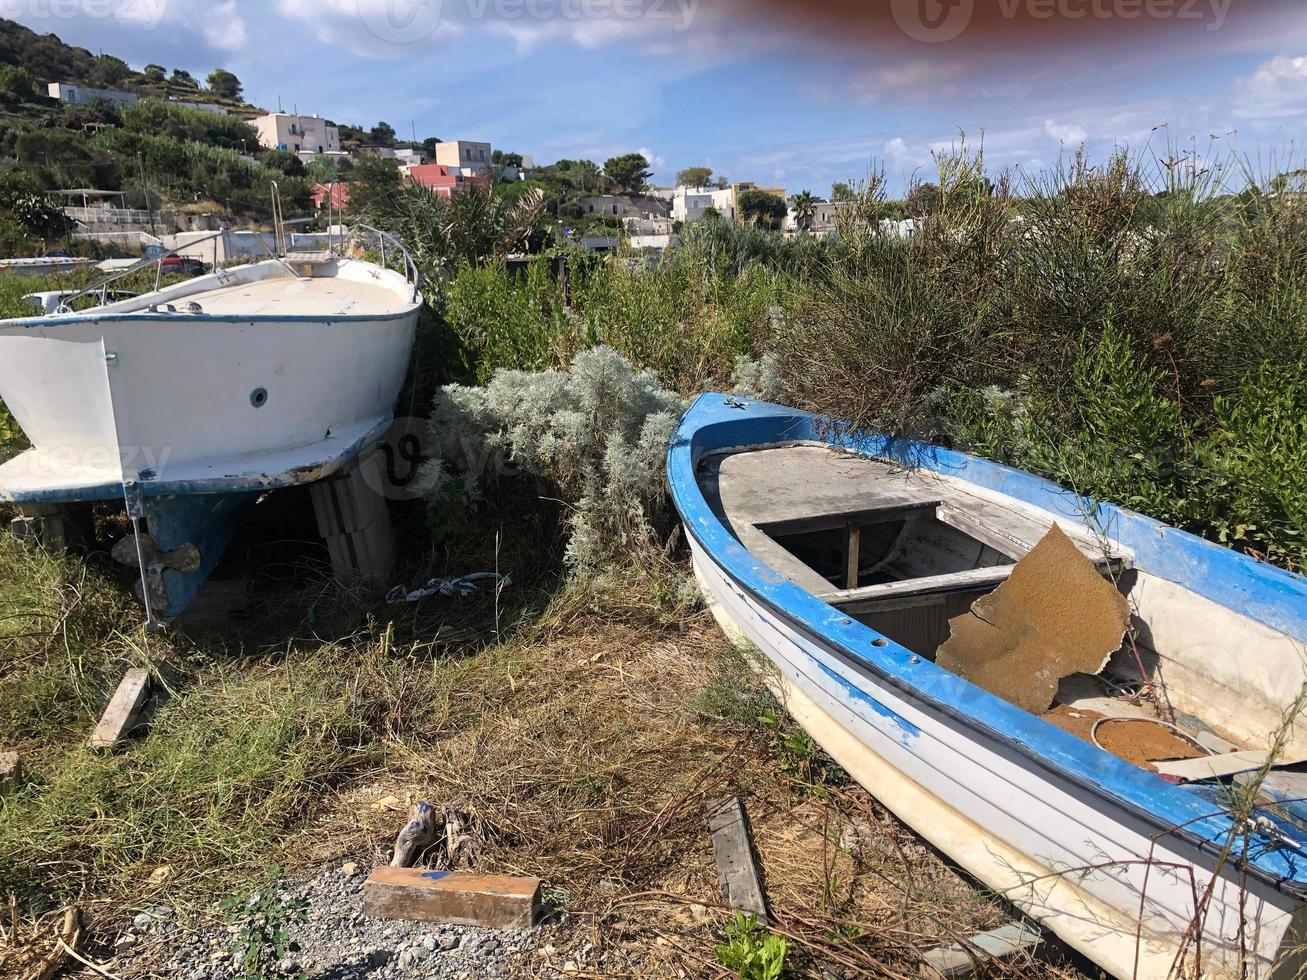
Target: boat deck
point(759, 493)
point(286, 296)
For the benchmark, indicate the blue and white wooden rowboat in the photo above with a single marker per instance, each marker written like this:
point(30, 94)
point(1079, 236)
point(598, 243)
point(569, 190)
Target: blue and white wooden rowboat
point(1115, 860)
point(190, 401)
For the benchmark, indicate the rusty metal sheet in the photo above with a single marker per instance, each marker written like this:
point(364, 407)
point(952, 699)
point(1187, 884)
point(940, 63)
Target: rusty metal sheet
point(1055, 616)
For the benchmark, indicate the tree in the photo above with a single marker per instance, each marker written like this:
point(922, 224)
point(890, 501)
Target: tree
point(429, 146)
point(109, 71)
point(382, 134)
point(765, 210)
point(694, 177)
point(16, 84)
point(155, 73)
point(375, 180)
point(182, 77)
point(922, 200)
point(629, 172)
point(501, 159)
point(840, 191)
point(284, 160)
point(588, 175)
point(224, 84)
point(805, 209)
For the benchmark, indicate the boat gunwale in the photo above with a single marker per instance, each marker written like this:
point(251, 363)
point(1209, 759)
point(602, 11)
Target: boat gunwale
point(408, 300)
point(1174, 811)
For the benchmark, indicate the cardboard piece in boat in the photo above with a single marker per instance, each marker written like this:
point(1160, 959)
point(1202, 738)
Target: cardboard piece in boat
point(1054, 616)
point(1219, 766)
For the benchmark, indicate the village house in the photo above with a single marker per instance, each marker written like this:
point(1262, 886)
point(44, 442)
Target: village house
point(466, 155)
point(306, 135)
point(82, 95)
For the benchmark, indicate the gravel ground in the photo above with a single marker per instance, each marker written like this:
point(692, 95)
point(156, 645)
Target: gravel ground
point(338, 942)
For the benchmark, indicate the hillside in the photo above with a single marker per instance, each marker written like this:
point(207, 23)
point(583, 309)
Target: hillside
point(158, 153)
point(46, 58)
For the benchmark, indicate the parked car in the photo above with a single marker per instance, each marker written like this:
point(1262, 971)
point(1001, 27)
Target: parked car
point(183, 265)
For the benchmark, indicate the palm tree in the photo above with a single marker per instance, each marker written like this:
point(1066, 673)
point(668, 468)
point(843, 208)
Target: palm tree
point(588, 175)
point(805, 209)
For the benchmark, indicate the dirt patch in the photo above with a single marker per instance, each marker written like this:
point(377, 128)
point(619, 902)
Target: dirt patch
point(1140, 741)
point(1136, 740)
point(1055, 616)
point(1078, 721)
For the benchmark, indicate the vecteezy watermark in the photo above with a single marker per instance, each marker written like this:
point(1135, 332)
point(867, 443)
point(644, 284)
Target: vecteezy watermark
point(410, 21)
point(936, 21)
point(398, 466)
point(143, 15)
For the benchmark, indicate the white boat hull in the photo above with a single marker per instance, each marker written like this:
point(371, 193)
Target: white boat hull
point(186, 403)
point(1089, 871)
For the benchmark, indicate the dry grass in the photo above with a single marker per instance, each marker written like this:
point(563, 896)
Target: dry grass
point(586, 740)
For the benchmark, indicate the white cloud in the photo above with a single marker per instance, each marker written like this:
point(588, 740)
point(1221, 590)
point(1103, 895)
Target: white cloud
point(1276, 90)
point(374, 28)
point(924, 77)
point(1065, 132)
point(897, 148)
point(656, 162)
point(224, 28)
point(220, 24)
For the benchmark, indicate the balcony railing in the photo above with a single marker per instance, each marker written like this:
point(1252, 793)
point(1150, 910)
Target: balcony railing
point(108, 216)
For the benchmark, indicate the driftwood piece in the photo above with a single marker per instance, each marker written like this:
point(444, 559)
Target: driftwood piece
point(415, 836)
point(462, 843)
point(732, 844)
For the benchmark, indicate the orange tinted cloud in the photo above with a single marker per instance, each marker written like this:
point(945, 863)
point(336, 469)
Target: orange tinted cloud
point(1007, 23)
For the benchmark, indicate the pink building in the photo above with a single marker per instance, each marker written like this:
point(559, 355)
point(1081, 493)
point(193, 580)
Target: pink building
point(338, 192)
point(439, 178)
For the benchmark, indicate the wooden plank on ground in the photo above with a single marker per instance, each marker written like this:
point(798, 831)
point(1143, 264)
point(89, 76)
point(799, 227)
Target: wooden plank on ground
point(486, 901)
point(124, 710)
point(732, 845)
point(964, 959)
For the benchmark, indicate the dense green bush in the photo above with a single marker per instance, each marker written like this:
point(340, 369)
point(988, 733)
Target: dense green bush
point(1138, 335)
point(158, 118)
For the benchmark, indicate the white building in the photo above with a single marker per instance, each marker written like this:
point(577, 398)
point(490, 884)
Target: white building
point(659, 243)
point(299, 134)
point(465, 155)
point(649, 225)
point(690, 203)
point(81, 95)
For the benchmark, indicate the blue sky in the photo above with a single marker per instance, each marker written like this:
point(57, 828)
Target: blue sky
point(762, 91)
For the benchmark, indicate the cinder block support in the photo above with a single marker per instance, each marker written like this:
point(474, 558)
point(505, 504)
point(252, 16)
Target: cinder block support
point(486, 901)
point(57, 527)
point(355, 523)
point(123, 712)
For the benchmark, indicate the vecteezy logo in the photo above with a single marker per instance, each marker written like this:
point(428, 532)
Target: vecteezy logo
point(933, 21)
point(401, 21)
